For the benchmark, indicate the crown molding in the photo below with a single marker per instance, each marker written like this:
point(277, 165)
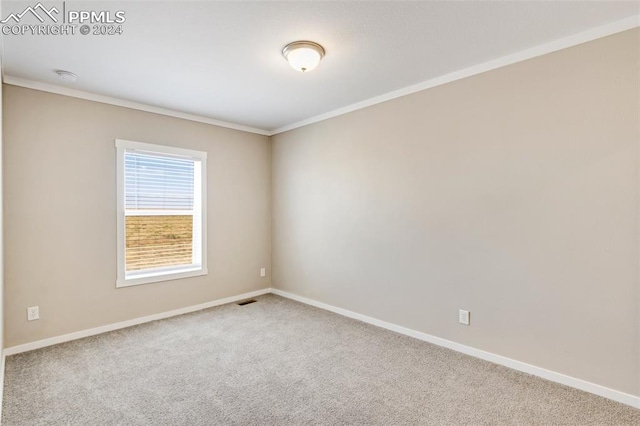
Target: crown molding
point(523, 55)
point(65, 91)
point(540, 50)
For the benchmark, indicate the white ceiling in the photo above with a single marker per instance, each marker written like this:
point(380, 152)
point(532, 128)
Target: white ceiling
point(222, 59)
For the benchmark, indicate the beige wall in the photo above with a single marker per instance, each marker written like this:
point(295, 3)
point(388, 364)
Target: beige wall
point(60, 216)
point(513, 194)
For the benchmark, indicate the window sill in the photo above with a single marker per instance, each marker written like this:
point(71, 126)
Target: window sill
point(159, 277)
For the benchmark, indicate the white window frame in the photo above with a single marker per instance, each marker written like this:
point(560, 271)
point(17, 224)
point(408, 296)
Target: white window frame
point(159, 274)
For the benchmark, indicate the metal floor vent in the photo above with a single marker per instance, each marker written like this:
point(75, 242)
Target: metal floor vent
point(246, 302)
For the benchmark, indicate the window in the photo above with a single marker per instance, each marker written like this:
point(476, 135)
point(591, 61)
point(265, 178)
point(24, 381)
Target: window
point(161, 213)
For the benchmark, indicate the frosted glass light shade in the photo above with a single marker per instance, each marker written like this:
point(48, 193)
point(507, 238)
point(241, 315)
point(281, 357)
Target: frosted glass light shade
point(303, 56)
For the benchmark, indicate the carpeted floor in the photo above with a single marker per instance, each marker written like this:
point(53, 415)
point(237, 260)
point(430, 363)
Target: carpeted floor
point(278, 362)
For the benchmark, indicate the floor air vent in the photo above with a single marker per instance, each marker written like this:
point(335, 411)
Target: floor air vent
point(246, 302)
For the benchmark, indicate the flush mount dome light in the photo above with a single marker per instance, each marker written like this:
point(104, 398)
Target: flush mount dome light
point(303, 56)
point(67, 76)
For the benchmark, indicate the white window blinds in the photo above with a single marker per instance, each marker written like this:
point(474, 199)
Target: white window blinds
point(154, 182)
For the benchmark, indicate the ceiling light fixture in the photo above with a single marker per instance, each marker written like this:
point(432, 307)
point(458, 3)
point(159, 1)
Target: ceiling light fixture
point(67, 76)
point(303, 56)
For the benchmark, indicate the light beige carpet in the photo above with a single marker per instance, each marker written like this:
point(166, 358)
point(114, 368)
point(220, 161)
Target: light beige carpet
point(278, 362)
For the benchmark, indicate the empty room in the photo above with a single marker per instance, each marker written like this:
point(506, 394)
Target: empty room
point(320, 213)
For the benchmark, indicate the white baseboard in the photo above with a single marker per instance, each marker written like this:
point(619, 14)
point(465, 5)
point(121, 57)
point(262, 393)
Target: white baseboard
point(116, 326)
point(553, 376)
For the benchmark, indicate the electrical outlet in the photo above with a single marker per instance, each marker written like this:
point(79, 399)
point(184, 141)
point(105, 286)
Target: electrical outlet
point(33, 313)
point(263, 272)
point(464, 317)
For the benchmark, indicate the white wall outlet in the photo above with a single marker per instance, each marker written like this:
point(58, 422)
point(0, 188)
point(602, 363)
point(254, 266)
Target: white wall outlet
point(263, 272)
point(464, 317)
point(33, 313)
